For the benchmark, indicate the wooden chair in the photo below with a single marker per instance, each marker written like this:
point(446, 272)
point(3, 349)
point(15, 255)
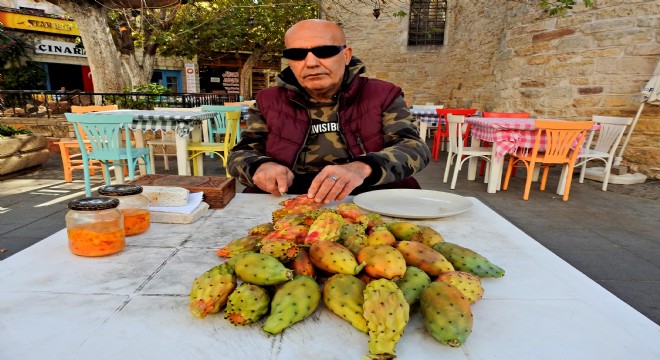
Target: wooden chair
point(609, 135)
point(104, 133)
point(232, 121)
point(564, 140)
point(70, 149)
point(442, 132)
point(491, 114)
point(457, 151)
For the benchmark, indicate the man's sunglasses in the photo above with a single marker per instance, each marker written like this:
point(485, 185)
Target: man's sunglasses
point(321, 52)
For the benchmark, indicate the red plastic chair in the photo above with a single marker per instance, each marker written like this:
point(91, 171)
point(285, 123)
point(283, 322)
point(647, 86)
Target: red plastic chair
point(442, 133)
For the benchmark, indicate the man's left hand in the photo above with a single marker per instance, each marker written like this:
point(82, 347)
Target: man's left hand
point(336, 182)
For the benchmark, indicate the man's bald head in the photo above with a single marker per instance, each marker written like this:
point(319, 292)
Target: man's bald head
point(318, 26)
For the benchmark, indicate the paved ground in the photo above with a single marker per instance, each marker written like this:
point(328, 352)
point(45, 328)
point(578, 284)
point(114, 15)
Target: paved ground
point(612, 237)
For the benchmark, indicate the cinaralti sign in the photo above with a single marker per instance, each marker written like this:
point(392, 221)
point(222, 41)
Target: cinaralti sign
point(38, 23)
point(58, 48)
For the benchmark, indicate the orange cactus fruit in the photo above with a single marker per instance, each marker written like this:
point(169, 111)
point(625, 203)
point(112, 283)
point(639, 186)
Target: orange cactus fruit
point(349, 211)
point(244, 244)
point(424, 257)
point(299, 209)
point(381, 235)
point(289, 220)
point(327, 227)
point(302, 264)
point(382, 261)
point(334, 258)
point(299, 200)
point(261, 229)
point(295, 233)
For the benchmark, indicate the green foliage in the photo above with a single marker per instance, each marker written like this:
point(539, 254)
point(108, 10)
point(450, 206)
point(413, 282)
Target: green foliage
point(139, 102)
point(13, 48)
point(30, 76)
point(560, 6)
point(8, 130)
point(148, 89)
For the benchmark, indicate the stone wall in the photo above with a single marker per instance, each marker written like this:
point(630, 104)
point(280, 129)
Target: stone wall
point(510, 56)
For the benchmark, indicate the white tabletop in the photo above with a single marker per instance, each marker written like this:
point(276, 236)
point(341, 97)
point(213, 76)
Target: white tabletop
point(134, 305)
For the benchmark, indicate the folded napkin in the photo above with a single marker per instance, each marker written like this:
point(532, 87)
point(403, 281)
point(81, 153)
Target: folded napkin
point(194, 199)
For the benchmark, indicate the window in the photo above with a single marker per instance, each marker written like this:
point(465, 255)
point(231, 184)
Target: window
point(427, 22)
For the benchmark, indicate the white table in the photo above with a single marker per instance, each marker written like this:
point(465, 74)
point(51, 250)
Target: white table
point(183, 123)
point(134, 305)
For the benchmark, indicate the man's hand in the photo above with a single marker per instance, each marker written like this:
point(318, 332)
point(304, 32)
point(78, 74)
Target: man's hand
point(335, 182)
point(273, 178)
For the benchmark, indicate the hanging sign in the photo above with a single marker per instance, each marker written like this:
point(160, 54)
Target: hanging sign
point(51, 47)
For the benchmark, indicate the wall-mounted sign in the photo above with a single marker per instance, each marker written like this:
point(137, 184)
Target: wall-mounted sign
point(192, 85)
point(59, 48)
point(38, 23)
point(230, 82)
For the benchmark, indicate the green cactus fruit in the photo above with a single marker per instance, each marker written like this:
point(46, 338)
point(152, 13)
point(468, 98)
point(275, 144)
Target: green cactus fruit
point(349, 229)
point(262, 269)
point(446, 313)
point(412, 284)
point(424, 257)
point(382, 261)
point(293, 302)
point(211, 289)
point(355, 242)
point(403, 230)
point(247, 243)
point(380, 235)
point(302, 265)
point(326, 227)
point(334, 258)
point(370, 219)
point(261, 229)
point(429, 236)
point(247, 304)
point(468, 283)
point(281, 249)
point(343, 295)
point(387, 313)
point(465, 259)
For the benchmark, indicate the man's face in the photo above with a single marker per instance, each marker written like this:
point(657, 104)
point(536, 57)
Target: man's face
point(321, 78)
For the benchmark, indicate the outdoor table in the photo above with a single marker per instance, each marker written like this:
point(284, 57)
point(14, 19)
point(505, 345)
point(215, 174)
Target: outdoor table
point(134, 304)
point(182, 122)
point(428, 119)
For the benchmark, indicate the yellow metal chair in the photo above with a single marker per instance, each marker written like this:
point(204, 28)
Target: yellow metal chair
point(222, 149)
point(564, 139)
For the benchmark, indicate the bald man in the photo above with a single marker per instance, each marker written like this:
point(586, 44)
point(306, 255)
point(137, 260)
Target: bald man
point(324, 130)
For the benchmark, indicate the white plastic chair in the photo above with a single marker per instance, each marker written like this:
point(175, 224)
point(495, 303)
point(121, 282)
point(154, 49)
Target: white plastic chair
point(610, 134)
point(457, 127)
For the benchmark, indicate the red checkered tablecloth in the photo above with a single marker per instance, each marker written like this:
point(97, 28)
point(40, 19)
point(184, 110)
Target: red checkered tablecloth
point(508, 134)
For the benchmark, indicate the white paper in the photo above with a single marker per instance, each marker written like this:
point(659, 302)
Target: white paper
point(194, 199)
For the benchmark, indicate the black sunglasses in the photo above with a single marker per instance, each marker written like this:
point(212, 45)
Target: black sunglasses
point(321, 52)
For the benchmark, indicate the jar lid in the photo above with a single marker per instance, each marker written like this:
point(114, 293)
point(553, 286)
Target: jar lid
point(94, 203)
point(120, 190)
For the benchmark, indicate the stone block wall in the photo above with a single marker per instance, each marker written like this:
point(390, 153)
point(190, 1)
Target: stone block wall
point(510, 56)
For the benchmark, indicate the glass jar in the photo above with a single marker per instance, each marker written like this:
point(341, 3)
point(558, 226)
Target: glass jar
point(95, 226)
point(132, 204)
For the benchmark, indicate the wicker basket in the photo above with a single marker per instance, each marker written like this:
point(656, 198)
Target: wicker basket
point(218, 191)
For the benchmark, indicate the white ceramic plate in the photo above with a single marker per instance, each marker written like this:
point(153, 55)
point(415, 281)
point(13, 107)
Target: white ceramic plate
point(412, 203)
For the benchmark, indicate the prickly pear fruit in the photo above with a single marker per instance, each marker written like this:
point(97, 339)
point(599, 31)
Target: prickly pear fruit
point(343, 295)
point(468, 283)
point(371, 219)
point(247, 304)
point(349, 211)
point(446, 313)
point(262, 269)
point(429, 236)
point(424, 257)
point(412, 284)
point(294, 233)
point(327, 227)
point(281, 249)
point(299, 209)
point(293, 301)
point(302, 265)
point(299, 200)
point(211, 289)
point(289, 220)
point(261, 229)
point(387, 313)
point(383, 261)
point(403, 230)
point(380, 235)
point(355, 242)
point(247, 243)
point(349, 229)
point(465, 259)
point(334, 258)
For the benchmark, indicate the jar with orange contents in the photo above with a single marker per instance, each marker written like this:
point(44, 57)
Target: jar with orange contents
point(132, 204)
point(95, 226)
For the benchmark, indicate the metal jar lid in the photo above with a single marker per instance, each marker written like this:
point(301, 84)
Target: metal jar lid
point(120, 190)
point(93, 204)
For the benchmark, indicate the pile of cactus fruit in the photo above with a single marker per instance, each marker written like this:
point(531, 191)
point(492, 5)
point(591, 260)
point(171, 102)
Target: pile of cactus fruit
point(367, 271)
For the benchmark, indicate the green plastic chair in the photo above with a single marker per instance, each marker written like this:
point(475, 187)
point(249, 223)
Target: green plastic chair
point(218, 125)
point(104, 134)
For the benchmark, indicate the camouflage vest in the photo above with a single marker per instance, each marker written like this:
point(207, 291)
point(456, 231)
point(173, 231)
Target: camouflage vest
point(360, 108)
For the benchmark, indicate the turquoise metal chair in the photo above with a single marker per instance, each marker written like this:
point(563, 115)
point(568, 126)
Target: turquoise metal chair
point(218, 125)
point(104, 133)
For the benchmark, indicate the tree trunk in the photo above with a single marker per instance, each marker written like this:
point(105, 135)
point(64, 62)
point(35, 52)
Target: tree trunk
point(246, 74)
point(102, 54)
